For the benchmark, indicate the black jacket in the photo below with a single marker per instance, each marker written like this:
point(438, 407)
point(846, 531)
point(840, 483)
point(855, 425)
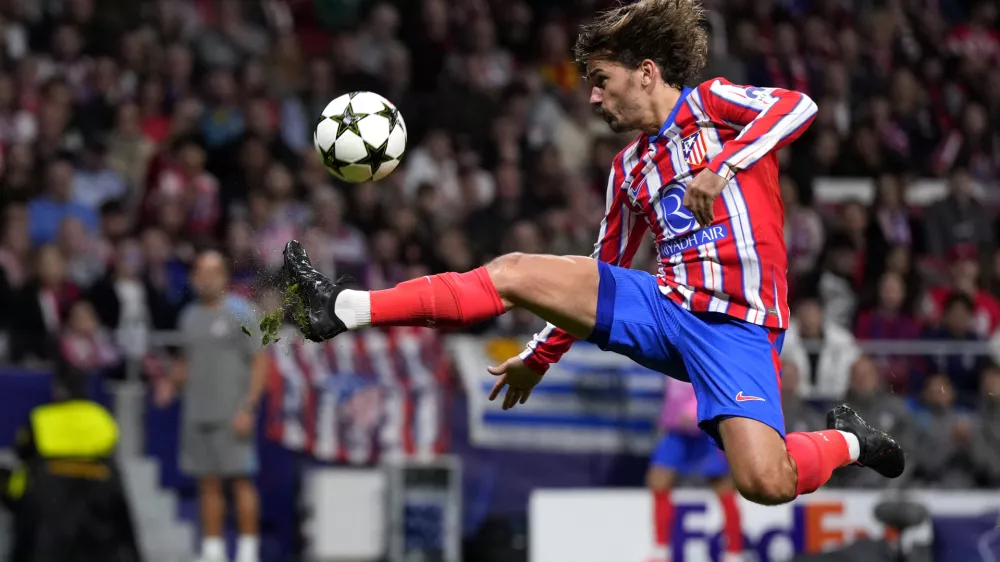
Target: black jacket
point(67, 498)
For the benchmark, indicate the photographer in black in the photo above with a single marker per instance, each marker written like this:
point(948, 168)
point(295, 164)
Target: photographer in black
point(66, 496)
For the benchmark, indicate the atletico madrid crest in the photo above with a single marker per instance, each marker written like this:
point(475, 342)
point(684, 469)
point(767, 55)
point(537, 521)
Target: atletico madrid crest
point(694, 148)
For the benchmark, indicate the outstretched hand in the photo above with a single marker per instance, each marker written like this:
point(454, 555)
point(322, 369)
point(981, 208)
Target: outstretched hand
point(520, 379)
point(701, 193)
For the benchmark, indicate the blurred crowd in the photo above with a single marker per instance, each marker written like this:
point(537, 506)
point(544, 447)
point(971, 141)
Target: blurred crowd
point(133, 133)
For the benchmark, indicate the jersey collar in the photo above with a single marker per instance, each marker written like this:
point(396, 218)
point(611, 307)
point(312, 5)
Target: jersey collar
point(673, 115)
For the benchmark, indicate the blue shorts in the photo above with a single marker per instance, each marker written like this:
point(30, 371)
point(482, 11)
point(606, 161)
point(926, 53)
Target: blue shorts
point(732, 364)
point(690, 455)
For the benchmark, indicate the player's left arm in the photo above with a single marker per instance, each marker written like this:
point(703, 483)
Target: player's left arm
point(767, 118)
point(770, 118)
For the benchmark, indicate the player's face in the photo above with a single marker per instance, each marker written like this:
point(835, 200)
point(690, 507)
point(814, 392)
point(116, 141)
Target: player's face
point(210, 278)
point(614, 94)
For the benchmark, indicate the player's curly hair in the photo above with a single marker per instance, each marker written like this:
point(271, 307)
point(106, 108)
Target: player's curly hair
point(668, 32)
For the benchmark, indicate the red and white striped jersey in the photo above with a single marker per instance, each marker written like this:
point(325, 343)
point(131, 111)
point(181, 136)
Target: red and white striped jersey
point(737, 265)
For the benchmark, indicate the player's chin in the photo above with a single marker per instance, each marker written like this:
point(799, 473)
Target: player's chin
point(617, 126)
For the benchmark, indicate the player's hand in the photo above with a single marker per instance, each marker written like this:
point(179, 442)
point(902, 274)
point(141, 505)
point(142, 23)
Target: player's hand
point(164, 393)
point(701, 193)
point(519, 378)
point(243, 424)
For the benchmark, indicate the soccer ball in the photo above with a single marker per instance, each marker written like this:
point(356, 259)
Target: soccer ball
point(361, 136)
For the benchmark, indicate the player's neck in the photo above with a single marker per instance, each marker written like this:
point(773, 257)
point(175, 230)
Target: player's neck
point(663, 100)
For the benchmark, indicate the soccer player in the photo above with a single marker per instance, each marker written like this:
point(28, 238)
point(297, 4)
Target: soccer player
point(702, 176)
point(685, 450)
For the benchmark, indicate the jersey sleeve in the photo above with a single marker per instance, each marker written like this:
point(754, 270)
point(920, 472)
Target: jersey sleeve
point(768, 119)
point(620, 235)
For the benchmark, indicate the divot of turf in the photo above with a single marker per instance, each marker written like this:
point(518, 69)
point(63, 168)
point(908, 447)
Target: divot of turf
point(271, 322)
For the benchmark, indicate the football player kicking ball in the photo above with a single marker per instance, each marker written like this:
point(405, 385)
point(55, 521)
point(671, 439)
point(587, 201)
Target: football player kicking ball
point(702, 176)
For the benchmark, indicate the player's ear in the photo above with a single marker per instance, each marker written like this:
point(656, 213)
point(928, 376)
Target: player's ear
point(650, 72)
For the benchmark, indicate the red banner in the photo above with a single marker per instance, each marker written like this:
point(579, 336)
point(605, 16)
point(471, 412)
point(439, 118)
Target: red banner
point(360, 396)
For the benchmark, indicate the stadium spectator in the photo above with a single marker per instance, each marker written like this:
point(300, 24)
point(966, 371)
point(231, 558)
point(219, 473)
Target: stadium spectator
point(46, 213)
point(40, 307)
point(985, 447)
point(891, 223)
point(84, 344)
point(799, 414)
point(890, 317)
point(15, 246)
point(94, 183)
point(244, 258)
point(129, 151)
point(972, 144)
point(81, 251)
point(166, 278)
point(433, 161)
point(836, 281)
point(966, 279)
point(231, 37)
point(804, 230)
point(824, 373)
point(867, 394)
point(959, 219)
point(958, 325)
point(124, 301)
point(19, 179)
point(346, 249)
point(945, 460)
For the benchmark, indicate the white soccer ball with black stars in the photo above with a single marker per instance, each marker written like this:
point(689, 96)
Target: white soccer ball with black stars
point(361, 136)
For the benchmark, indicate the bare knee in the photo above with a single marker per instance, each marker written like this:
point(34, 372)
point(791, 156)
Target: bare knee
point(766, 487)
point(660, 479)
point(210, 486)
point(758, 460)
point(507, 274)
point(244, 487)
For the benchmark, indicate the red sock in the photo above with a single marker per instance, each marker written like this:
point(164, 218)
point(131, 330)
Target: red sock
point(446, 300)
point(663, 517)
point(817, 455)
point(731, 527)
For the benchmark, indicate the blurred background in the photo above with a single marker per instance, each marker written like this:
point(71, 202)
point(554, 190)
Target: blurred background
point(134, 133)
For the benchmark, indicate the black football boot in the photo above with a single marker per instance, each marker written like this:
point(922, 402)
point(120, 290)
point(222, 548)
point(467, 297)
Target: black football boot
point(878, 451)
point(312, 295)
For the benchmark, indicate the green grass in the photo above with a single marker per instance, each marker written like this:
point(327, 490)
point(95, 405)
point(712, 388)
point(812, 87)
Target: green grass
point(271, 322)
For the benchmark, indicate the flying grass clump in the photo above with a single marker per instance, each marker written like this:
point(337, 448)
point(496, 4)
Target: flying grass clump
point(271, 322)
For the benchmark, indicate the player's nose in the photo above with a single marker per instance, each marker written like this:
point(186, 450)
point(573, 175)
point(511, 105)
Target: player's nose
point(596, 96)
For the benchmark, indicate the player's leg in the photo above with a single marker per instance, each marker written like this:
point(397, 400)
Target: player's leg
point(238, 462)
point(247, 519)
point(664, 463)
point(713, 466)
point(199, 459)
point(561, 290)
point(735, 370)
point(212, 507)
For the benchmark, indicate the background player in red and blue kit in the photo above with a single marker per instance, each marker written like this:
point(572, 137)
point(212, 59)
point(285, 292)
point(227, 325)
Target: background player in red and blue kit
point(684, 450)
point(702, 177)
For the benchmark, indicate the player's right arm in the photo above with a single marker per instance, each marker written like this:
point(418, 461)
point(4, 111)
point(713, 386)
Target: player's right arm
point(620, 235)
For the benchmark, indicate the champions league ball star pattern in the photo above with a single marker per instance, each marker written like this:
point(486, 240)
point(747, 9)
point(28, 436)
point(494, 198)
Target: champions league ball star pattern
point(361, 136)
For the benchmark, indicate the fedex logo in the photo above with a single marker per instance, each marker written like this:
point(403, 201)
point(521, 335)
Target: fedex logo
point(812, 529)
